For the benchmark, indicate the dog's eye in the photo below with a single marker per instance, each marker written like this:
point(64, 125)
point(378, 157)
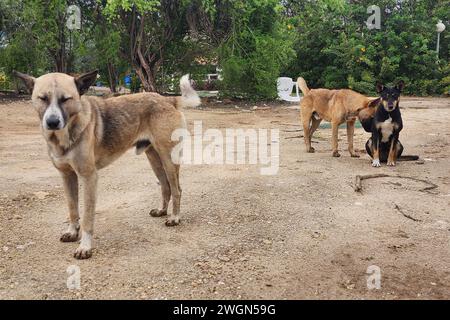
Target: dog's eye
point(43, 98)
point(64, 99)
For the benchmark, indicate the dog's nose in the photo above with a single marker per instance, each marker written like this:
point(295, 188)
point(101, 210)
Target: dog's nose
point(53, 122)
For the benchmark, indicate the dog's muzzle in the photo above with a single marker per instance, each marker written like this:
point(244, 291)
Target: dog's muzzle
point(53, 118)
point(53, 122)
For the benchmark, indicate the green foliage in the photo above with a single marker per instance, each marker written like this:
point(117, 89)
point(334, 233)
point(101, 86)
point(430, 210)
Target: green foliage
point(253, 42)
point(336, 50)
point(4, 81)
point(114, 6)
point(259, 46)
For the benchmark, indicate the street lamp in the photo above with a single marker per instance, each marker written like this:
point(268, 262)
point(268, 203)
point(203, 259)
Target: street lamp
point(440, 27)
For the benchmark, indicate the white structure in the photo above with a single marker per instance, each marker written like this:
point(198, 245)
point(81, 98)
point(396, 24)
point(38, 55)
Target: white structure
point(440, 27)
point(284, 88)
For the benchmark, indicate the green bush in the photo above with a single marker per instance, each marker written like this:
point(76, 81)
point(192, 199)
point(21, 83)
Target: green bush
point(336, 50)
point(4, 81)
point(259, 47)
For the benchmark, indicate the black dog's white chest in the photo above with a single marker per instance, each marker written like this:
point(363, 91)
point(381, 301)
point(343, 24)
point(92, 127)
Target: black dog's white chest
point(387, 129)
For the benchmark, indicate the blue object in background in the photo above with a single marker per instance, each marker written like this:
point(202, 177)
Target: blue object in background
point(127, 81)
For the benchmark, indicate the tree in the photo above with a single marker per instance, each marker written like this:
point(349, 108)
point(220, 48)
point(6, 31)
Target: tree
point(150, 27)
point(335, 49)
point(259, 45)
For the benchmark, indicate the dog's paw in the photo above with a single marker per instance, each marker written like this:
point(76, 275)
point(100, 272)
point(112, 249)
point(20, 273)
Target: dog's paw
point(83, 253)
point(311, 150)
point(171, 222)
point(336, 154)
point(391, 163)
point(376, 163)
point(158, 213)
point(69, 237)
point(354, 155)
point(72, 234)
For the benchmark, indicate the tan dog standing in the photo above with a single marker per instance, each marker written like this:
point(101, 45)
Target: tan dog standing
point(335, 106)
point(85, 134)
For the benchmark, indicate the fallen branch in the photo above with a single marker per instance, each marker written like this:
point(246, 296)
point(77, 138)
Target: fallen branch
point(300, 136)
point(406, 215)
point(359, 179)
point(285, 124)
point(295, 137)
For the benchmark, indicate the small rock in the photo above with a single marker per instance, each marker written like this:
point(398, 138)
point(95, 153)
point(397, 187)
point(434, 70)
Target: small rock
point(41, 195)
point(350, 286)
point(315, 235)
point(223, 258)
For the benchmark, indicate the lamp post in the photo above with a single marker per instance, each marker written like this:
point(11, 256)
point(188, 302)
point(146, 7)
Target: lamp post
point(440, 27)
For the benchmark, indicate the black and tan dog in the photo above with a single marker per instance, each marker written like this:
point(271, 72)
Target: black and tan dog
point(85, 134)
point(335, 106)
point(385, 124)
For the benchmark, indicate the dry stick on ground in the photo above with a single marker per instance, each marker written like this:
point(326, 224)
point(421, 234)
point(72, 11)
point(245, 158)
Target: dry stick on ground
point(359, 179)
point(285, 124)
point(294, 137)
point(406, 215)
point(293, 130)
point(300, 136)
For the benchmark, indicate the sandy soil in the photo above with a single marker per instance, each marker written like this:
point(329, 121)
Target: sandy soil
point(301, 234)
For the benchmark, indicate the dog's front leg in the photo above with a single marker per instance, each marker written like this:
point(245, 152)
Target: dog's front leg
point(392, 157)
point(350, 133)
point(70, 181)
point(334, 138)
point(84, 251)
point(306, 121)
point(376, 148)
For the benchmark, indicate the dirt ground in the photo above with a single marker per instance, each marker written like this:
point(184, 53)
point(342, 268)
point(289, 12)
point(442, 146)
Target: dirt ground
point(301, 234)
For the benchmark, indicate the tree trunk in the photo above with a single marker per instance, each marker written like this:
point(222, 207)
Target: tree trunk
point(147, 65)
point(59, 54)
point(112, 77)
point(147, 78)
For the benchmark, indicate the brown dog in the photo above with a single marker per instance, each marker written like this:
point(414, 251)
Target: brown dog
point(335, 106)
point(85, 134)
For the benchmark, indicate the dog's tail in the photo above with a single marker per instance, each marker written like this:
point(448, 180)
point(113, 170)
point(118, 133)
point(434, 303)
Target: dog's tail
point(408, 158)
point(189, 97)
point(303, 86)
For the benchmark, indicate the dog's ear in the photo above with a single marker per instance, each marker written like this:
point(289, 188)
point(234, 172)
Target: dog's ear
point(374, 103)
point(380, 87)
point(27, 80)
point(400, 85)
point(86, 80)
